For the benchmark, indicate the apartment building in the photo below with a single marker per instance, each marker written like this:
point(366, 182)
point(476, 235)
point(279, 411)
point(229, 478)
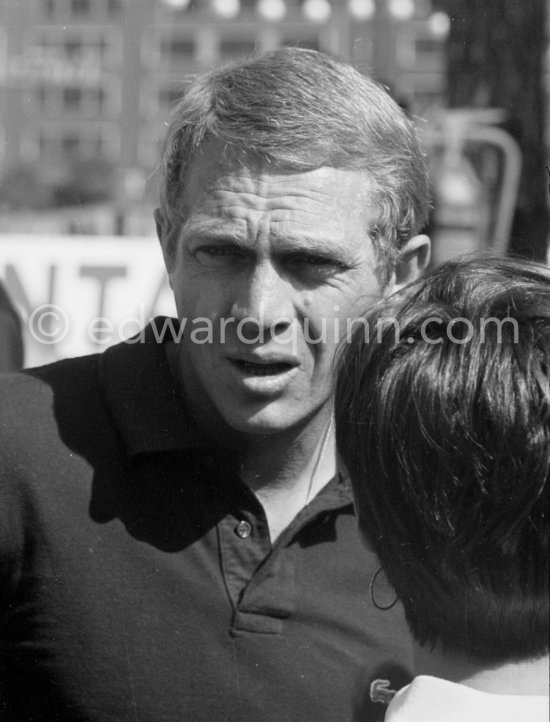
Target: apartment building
point(97, 78)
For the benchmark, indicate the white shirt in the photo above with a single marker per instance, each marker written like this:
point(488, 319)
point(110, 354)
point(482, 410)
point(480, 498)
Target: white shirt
point(430, 699)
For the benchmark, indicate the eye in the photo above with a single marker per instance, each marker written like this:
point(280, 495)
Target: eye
point(316, 265)
point(218, 255)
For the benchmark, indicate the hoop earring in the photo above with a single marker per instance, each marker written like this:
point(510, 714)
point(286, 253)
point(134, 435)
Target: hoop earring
point(371, 592)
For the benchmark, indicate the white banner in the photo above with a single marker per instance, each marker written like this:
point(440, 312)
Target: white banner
point(80, 294)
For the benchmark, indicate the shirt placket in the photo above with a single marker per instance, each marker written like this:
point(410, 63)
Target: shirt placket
point(259, 576)
point(244, 545)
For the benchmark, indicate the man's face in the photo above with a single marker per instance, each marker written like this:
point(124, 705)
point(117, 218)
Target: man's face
point(274, 263)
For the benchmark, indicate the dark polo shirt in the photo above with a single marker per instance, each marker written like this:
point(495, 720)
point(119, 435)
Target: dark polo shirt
point(138, 581)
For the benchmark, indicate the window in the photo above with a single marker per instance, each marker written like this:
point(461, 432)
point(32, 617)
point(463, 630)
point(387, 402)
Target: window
point(73, 48)
point(94, 102)
point(427, 46)
point(72, 98)
point(236, 48)
point(70, 142)
point(92, 45)
point(114, 7)
point(177, 51)
point(49, 8)
point(100, 99)
point(80, 7)
point(418, 50)
point(62, 141)
point(41, 96)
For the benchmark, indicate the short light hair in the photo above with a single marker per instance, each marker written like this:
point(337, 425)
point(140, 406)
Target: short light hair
point(303, 109)
point(446, 437)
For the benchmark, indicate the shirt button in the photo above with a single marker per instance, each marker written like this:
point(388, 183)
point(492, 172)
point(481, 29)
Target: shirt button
point(243, 529)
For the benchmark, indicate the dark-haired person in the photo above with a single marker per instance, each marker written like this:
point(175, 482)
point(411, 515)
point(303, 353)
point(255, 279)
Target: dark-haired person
point(443, 422)
point(176, 541)
point(11, 341)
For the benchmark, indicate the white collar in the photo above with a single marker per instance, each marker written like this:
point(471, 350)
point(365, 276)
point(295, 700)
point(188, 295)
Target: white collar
point(430, 699)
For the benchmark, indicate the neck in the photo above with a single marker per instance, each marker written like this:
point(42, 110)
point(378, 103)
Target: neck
point(286, 471)
point(528, 677)
point(294, 457)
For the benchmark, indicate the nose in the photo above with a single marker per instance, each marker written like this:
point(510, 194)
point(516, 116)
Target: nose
point(263, 302)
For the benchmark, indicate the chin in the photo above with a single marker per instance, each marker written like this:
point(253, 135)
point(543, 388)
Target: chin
point(261, 423)
point(270, 419)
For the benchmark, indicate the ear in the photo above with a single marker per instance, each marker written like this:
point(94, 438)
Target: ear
point(164, 230)
point(413, 260)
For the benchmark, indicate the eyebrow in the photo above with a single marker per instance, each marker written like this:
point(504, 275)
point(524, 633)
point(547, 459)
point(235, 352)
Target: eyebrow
point(212, 232)
point(315, 245)
point(324, 246)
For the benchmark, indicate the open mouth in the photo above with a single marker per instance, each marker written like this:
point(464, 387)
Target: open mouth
point(263, 369)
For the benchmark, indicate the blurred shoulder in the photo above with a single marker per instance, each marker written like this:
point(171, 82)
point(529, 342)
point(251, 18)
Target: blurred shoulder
point(28, 398)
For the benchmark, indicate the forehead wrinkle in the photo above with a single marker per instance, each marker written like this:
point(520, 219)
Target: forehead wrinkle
point(307, 236)
point(267, 183)
point(327, 227)
point(253, 202)
point(288, 232)
point(264, 199)
point(210, 228)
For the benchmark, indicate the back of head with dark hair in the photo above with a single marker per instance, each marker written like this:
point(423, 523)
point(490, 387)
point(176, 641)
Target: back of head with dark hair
point(443, 422)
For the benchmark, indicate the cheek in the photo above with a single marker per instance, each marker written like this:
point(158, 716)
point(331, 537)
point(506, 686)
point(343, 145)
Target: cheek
point(197, 299)
point(328, 316)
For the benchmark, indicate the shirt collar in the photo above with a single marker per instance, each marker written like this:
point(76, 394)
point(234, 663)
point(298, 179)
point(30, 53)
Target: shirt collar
point(142, 397)
point(431, 699)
